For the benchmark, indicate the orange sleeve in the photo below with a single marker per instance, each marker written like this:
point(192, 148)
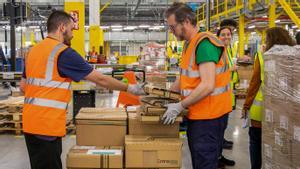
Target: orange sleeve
point(254, 85)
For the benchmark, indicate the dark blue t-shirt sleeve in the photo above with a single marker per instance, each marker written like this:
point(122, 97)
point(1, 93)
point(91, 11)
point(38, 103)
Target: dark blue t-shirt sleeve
point(24, 74)
point(72, 65)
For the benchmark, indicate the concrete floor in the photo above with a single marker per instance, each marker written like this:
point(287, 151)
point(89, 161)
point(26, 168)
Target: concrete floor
point(13, 152)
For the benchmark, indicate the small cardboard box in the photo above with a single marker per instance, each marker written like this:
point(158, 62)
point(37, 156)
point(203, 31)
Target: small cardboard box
point(150, 152)
point(101, 127)
point(153, 90)
point(90, 157)
point(137, 127)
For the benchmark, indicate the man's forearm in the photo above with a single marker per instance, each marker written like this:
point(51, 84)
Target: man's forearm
point(202, 91)
point(176, 86)
point(106, 81)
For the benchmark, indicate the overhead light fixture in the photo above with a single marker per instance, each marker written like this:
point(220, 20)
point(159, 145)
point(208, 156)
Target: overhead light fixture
point(117, 30)
point(130, 28)
point(104, 27)
point(277, 21)
point(154, 28)
point(116, 26)
point(251, 27)
point(295, 26)
point(144, 26)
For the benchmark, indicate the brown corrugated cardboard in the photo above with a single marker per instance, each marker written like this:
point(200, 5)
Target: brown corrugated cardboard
point(155, 119)
point(137, 127)
point(149, 152)
point(89, 157)
point(92, 127)
point(153, 90)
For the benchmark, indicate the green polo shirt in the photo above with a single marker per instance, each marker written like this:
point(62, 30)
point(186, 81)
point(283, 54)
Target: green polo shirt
point(208, 52)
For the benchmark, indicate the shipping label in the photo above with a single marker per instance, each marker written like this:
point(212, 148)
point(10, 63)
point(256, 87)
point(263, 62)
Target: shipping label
point(269, 115)
point(104, 152)
point(284, 122)
point(297, 133)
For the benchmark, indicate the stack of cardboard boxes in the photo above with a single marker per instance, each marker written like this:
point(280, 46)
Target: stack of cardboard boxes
point(281, 120)
point(150, 143)
point(100, 139)
point(106, 136)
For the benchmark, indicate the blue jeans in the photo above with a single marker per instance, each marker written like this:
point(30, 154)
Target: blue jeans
point(255, 147)
point(205, 138)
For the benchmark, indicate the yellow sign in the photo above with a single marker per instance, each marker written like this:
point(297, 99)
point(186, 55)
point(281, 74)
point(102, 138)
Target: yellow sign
point(76, 9)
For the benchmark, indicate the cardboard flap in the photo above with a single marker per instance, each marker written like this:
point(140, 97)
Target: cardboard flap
point(151, 143)
point(107, 114)
point(155, 119)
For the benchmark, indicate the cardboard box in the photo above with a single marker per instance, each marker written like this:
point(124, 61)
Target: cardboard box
point(84, 157)
point(137, 127)
point(101, 127)
point(150, 152)
point(153, 90)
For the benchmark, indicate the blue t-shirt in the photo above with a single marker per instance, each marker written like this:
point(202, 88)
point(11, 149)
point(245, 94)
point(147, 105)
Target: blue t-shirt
point(71, 65)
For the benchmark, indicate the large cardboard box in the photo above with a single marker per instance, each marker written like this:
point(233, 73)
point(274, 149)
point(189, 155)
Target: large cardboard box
point(101, 127)
point(156, 129)
point(90, 157)
point(150, 152)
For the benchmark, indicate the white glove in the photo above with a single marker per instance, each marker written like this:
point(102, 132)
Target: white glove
point(174, 109)
point(136, 89)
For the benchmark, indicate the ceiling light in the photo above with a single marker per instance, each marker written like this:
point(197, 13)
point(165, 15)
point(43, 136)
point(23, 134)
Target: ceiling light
point(117, 30)
point(251, 27)
point(277, 21)
point(130, 28)
point(116, 26)
point(144, 26)
point(104, 27)
point(154, 28)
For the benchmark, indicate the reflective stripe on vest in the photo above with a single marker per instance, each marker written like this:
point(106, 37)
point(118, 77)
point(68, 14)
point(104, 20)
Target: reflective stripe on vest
point(45, 83)
point(46, 103)
point(217, 91)
point(257, 103)
point(48, 82)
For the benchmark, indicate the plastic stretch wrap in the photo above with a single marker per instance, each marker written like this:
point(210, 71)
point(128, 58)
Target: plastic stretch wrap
point(281, 117)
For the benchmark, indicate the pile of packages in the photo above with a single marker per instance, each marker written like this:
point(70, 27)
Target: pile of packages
point(281, 120)
point(124, 138)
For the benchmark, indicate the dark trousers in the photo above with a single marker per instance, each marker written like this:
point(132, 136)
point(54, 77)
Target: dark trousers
point(255, 147)
point(44, 154)
point(205, 138)
point(225, 127)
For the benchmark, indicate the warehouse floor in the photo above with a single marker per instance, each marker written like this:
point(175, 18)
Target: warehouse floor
point(13, 153)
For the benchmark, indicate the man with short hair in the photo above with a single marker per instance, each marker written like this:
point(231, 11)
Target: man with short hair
point(50, 67)
point(204, 84)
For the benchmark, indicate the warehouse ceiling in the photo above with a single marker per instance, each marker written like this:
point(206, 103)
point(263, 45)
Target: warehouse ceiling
point(123, 12)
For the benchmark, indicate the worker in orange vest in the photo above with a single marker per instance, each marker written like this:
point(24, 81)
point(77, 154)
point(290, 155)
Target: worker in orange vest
point(204, 84)
point(50, 67)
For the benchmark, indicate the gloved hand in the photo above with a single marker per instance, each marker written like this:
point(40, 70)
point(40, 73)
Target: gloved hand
point(174, 109)
point(137, 89)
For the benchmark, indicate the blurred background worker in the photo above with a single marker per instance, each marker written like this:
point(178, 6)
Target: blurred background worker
point(51, 66)
point(254, 99)
point(225, 34)
point(208, 97)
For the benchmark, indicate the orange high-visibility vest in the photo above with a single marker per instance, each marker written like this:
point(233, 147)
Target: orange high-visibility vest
point(219, 102)
point(47, 94)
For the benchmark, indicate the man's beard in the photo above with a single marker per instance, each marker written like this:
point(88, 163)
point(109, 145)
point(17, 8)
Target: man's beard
point(67, 41)
point(181, 36)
